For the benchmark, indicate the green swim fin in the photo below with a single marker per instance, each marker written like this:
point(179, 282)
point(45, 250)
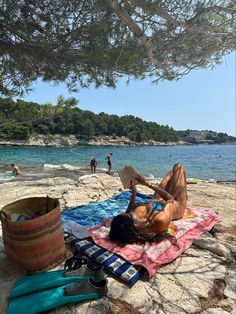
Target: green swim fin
point(45, 280)
point(51, 298)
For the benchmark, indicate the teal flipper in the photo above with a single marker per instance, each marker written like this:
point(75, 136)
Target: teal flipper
point(51, 298)
point(55, 278)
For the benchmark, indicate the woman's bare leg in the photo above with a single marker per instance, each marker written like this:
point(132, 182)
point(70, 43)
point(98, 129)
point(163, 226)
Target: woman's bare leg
point(163, 185)
point(177, 187)
point(165, 181)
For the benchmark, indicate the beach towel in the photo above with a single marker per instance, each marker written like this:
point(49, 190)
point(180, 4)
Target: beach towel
point(112, 263)
point(153, 255)
point(94, 213)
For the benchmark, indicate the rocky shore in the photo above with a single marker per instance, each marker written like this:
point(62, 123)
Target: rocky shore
point(72, 140)
point(58, 140)
point(202, 280)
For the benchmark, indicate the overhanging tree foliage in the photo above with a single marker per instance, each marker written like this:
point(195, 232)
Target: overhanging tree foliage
point(97, 41)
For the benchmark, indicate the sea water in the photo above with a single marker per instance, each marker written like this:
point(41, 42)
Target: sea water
point(216, 162)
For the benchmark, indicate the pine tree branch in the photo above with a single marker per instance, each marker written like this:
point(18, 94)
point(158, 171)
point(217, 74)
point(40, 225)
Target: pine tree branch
point(137, 31)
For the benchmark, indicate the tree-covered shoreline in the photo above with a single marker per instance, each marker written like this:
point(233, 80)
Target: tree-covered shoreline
point(20, 120)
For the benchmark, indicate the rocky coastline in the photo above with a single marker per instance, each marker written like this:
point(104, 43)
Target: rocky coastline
point(201, 280)
point(72, 141)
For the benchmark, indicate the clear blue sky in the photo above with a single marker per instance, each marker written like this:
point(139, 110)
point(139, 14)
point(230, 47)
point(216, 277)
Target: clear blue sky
point(202, 100)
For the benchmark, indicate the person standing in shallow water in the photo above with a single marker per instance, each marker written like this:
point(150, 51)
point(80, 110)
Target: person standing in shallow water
point(109, 163)
point(93, 165)
point(15, 169)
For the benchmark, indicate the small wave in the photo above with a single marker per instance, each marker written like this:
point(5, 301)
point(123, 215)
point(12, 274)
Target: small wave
point(50, 166)
point(102, 169)
point(62, 166)
point(5, 177)
point(70, 167)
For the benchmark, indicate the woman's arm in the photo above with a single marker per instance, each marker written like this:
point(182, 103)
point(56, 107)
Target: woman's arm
point(132, 198)
point(164, 194)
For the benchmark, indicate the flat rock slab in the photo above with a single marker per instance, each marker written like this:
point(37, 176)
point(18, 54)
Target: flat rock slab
point(209, 242)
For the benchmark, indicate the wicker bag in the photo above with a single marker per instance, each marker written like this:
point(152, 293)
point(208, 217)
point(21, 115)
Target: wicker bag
point(35, 244)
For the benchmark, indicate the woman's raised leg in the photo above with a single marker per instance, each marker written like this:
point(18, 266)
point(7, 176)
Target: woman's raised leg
point(177, 187)
point(165, 181)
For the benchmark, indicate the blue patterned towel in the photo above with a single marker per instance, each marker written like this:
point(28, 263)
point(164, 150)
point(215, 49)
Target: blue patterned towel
point(94, 213)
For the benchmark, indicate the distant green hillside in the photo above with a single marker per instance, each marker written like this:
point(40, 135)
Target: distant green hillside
point(19, 120)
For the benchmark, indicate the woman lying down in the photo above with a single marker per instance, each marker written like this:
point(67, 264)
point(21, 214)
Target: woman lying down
point(141, 222)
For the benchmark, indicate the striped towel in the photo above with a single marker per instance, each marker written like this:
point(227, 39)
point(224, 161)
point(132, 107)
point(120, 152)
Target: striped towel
point(111, 262)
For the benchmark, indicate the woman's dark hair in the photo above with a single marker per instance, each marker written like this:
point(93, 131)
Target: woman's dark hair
point(123, 231)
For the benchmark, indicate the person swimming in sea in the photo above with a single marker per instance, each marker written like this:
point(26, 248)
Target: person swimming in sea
point(141, 222)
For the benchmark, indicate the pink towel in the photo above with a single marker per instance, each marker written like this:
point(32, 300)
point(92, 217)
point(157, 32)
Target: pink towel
point(153, 255)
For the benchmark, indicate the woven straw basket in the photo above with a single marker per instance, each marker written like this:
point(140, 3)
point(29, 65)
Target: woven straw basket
point(36, 244)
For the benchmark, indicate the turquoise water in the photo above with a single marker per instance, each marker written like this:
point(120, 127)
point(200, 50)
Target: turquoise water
point(216, 162)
